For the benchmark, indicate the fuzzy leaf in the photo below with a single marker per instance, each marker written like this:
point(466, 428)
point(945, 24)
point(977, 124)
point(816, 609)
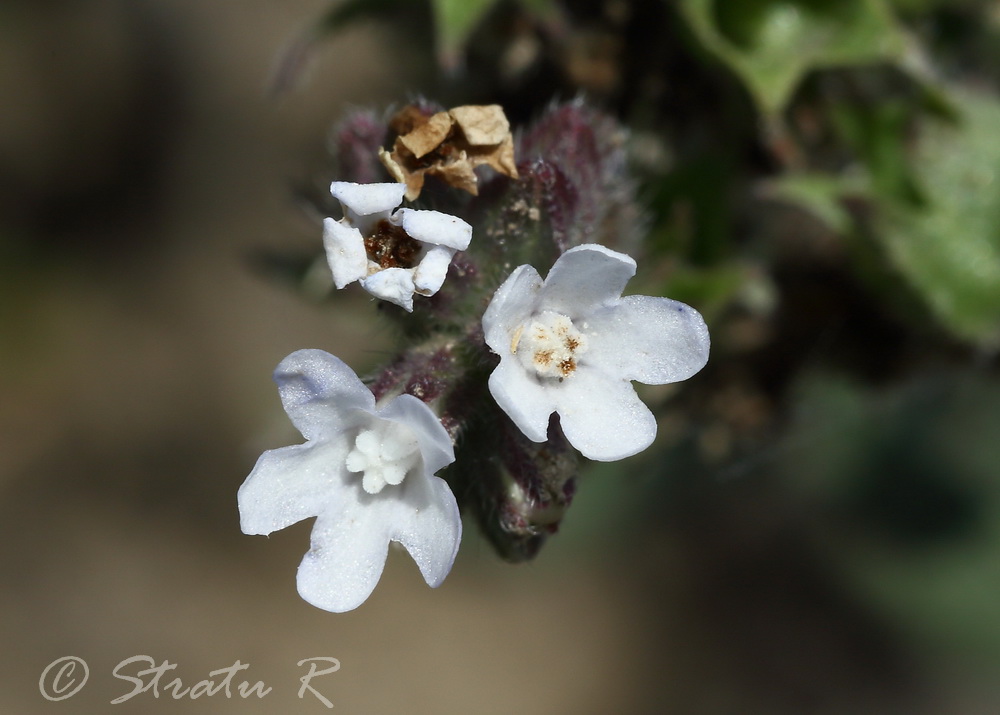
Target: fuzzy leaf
point(772, 44)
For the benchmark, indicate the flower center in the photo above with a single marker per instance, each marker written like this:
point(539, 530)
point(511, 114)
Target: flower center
point(383, 454)
point(392, 247)
point(549, 344)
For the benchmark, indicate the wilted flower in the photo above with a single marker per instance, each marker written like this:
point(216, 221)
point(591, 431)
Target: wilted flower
point(571, 344)
point(392, 255)
point(449, 145)
point(365, 471)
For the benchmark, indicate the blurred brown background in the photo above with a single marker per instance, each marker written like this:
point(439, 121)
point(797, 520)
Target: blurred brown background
point(141, 162)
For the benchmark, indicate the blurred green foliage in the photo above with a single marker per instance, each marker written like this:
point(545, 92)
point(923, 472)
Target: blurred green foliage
point(949, 248)
point(910, 502)
point(772, 44)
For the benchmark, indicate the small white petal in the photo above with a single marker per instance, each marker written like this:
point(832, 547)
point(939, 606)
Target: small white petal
point(435, 228)
point(429, 275)
point(435, 443)
point(347, 555)
point(349, 543)
point(392, 284)
point(426, 521)
point(525, 401)
point(366, 204)
point(345, 252)
point(652, 340)
point(290, 484)
point(512, 304)
point(602, 416)
point(584, 278)
point(320, 393)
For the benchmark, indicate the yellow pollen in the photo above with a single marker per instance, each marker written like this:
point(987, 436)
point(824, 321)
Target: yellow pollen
point(543, 358)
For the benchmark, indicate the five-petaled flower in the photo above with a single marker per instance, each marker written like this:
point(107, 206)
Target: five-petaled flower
point(392, 255)
point(366, 472)
point(571, 344)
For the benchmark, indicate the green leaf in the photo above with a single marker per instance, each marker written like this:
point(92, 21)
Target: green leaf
point(949, 249)
point(772, 44)
point(454, 21)
point(821, 195)
point(878, 132)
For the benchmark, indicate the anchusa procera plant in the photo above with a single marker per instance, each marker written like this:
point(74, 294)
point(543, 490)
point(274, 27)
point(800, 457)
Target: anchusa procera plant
point(503, 377)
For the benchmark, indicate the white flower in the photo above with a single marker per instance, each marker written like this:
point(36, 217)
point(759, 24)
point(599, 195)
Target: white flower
point(393, 256)
point(365, 471)
point(572, 344)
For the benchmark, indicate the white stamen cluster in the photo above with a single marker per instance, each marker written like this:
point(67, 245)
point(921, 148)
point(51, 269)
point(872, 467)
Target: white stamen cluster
point(383, 455)
point(550, 345)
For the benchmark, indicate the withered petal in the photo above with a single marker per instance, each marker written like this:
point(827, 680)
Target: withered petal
point(482, 125)
point(428, 137)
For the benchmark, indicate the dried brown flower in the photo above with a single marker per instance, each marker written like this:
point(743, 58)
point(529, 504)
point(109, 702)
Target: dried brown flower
point(449, 145)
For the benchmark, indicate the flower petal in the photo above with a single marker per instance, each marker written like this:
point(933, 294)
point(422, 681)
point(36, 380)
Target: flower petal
point(426, 521)
point(392, 284)
point(435, 227)
point(435, 443)
point(652, 340)
point(365, 204)
point(345, 252)
point(290, 484)
point(348, 549)
point(602, 416)
point(584, 278)
point(320, 393)
point(525, 401)
point(512, 304)
point(429, 275)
